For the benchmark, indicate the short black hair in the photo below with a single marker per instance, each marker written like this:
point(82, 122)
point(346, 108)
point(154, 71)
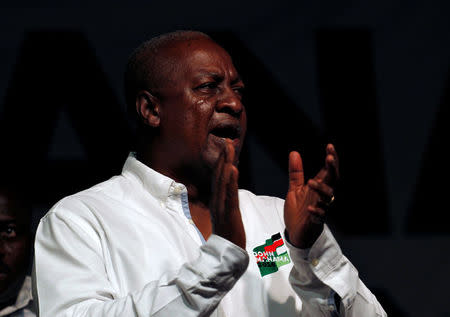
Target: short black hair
point(146, 66)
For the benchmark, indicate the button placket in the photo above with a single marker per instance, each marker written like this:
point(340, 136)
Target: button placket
point(183, 209)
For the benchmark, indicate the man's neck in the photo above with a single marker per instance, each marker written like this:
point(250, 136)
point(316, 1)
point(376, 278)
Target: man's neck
point(8, 297)
point(197, 179)
point(198, 185)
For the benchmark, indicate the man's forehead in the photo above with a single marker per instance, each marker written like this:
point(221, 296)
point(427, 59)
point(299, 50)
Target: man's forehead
point(6, 211)
point(202, 56)
point(5, 207)
point(191, 44)
point(13, 214)
point(9, 206)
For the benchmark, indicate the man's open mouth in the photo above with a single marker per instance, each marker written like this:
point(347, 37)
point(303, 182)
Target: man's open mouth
point(227, 131)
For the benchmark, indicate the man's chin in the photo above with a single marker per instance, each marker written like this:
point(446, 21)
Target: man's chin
point(215, 147)
point(220, 142)
point(10, 283)
point(211, 159)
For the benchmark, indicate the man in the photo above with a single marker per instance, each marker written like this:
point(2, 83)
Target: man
point(173, 235)
point(15, 242)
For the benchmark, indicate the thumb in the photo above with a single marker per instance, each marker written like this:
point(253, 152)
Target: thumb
point(296, 175)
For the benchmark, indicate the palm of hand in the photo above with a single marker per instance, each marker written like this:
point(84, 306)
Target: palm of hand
point(301, 224)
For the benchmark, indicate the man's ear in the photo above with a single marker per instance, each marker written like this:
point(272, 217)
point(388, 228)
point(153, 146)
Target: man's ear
point(148, 108)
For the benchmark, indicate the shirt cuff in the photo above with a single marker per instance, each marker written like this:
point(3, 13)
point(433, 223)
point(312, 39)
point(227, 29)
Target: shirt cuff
point(222, 261)
point(313, 265)
point(206, 280)
point(321, 258)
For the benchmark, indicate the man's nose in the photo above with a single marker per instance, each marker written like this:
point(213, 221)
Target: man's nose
point(230, 102)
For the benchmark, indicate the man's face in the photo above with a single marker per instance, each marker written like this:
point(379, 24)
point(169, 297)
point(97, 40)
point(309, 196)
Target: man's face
point(201, 103)
point(14, 242)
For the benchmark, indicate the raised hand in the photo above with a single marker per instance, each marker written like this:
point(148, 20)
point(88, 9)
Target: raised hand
point(305, 204)
point(224, 209)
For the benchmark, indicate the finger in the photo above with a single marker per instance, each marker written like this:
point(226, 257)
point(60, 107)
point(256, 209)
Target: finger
point(232, 176)
point(219, 167)
point(332, 151)
point(226, 155)
point(232, 189)
point(317, 214)
point(332, 160)
point(222, 180)
point(296, 175)
point(325, 194)
point(217, 182)
point(229, 151)
point(322, 188)
point(221, 202)
point(330, 172)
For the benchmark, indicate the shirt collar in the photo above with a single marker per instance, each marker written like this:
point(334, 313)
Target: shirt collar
point(157, 184)
point(24, 297)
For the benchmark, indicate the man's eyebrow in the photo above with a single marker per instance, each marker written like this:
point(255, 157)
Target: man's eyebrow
point(217, 76)
point(206, 73)
point(6, 222)
point(237, 80)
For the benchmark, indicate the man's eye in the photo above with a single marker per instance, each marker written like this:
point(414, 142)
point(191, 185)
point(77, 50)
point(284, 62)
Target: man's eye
point(208, 85)
point(239, 90)
point(8, 232)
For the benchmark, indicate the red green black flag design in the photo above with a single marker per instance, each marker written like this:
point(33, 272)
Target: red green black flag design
point(271, 255)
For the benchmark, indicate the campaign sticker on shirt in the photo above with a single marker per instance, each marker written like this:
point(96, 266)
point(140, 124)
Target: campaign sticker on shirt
point(271, 255)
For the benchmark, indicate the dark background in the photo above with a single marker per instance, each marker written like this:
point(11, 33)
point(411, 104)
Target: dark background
point(371, 77)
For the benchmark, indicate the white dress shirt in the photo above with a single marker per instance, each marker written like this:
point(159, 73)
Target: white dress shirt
point(128, 247)
point(23, 306)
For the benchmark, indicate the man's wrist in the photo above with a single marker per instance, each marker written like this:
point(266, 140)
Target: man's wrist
point(306, 241)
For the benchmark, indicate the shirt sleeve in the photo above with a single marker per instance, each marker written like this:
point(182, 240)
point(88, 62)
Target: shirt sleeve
point(70, 277)
point(322, 271)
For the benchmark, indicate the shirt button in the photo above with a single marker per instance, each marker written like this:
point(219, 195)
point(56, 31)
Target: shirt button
point(162, 204)
point(176, 190)
point(191, 221)
point(314, 262)
point(331, 307)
